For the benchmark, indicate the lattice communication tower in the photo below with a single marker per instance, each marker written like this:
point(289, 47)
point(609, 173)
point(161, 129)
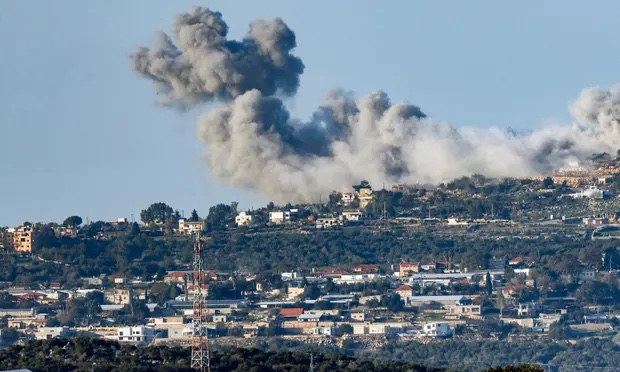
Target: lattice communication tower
point(200, 337)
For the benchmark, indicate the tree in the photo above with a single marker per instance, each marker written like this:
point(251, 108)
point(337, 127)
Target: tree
point(500, 302)
point(72, 221)
point(330, 287)
point(346, 329)
point(157, 213)
point(311, 292)
point(560, 330)
point(595, 293)
point(220, 216)
point(488, 284)
point(519, 368)
point(393, 302)
point(372, 303)
point(362, 185)
point(161, 292)
point(9, 335)
point(194, 217)
point(134, 229)
point(304, 282)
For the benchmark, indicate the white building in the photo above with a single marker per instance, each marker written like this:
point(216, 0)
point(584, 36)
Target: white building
point(47, 333)
point(456, 221)
point(279, 217)
point(243, 219)
point(376, 328)
point(592, 192)
point(326, 331)
point(437, 329)
point(528, 308)
point(136, 334)
point(357, 278)
point(348, 198)
point(351, 215)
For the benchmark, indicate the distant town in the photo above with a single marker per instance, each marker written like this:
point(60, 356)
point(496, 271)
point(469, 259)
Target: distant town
point(107, 280)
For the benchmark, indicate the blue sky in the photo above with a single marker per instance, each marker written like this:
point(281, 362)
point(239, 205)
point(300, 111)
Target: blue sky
point(81, 134)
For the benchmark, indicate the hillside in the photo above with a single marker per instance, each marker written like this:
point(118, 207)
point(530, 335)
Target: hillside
point(83, 354)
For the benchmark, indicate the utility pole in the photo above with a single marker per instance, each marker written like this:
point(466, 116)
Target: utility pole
point(200, 337)
point(311, 362)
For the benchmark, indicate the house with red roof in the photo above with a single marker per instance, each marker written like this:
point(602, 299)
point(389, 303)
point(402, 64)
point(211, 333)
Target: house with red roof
point(366, 269)
point(334, 273)
point(404, 291)
point(291, 313)
point(35, 297)
point(514, 290)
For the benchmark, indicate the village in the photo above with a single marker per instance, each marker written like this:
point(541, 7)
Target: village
point(408, 300)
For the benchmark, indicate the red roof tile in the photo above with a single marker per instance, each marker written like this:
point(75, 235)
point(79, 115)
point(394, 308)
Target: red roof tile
point(292, 312)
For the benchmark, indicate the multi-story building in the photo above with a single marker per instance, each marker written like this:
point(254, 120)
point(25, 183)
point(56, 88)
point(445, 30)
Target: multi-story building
point(22, 238)
point(278, 217)
point(348, 198)
point(407, 268)
point(118, 296)
point(437, 329)
point(190, 227)
point(136, 334)
point(365, 196)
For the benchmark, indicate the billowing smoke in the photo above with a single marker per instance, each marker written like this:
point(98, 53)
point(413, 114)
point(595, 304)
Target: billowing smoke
point(252, 141)
point(206, 65)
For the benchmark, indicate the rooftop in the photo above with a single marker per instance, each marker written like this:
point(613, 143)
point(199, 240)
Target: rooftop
point(292, 312)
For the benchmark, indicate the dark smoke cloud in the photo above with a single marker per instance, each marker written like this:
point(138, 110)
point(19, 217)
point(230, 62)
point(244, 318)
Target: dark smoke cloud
point(252, 141)
point(206, 65)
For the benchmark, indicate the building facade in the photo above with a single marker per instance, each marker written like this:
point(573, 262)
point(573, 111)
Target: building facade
point(22, 238)
point(136, 334)
point(190, 227)
point(243, 219)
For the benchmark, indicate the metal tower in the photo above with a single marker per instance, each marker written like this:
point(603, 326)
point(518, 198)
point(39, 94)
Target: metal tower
point(200, 337)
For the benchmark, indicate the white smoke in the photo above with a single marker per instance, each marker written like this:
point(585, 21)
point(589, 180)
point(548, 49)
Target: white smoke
point(252, 142)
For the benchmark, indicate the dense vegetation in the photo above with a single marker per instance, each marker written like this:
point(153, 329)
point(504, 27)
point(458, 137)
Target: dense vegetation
point(590, 354)
point(557, 250)
point(86, 354)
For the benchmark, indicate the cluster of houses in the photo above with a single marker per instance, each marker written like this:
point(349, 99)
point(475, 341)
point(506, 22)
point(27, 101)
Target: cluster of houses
point(425, 289)
point(286, 216)
point(353, 203)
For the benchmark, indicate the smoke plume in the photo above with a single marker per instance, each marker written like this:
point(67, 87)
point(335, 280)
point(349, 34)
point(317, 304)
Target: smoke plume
point(252, 141)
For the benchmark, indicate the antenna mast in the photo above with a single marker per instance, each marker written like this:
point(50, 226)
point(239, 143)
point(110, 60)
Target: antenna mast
point(200, 337)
